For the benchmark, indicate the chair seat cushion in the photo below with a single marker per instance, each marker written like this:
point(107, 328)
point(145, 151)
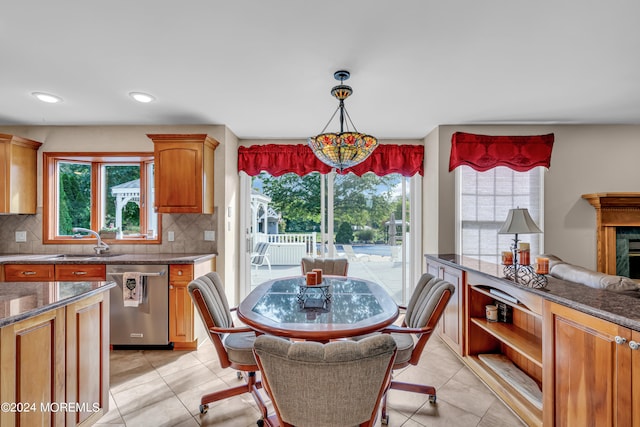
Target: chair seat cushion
point(240, 347)
point(405, 344)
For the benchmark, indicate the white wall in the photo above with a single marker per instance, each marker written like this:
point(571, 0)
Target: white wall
point(585, 159)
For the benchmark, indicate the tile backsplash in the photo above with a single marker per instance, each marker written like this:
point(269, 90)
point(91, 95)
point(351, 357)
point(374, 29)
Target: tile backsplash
point(188, 230)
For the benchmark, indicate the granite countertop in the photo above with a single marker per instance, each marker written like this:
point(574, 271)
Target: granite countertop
point(621, 308)
point(165, 258)
point(22, 300)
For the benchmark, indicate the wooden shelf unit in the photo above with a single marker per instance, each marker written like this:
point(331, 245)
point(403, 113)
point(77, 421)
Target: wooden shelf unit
point(520, 341)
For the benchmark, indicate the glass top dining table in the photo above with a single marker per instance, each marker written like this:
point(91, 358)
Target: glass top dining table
point(340, 307)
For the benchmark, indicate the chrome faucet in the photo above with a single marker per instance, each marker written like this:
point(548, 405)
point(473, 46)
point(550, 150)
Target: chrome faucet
point(101, 246)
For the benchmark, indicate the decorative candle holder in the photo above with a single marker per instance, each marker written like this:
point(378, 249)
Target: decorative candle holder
point(523, 274)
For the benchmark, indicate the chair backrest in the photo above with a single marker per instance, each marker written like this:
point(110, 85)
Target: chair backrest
point(425, 308)
point(260, 252)
point(207, 293)
point(335, 384)
point(330, 266)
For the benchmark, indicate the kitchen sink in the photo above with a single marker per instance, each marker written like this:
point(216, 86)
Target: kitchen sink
point(79, 257)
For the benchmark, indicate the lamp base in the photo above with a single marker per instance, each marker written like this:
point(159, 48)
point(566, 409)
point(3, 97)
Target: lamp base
point(525, 275)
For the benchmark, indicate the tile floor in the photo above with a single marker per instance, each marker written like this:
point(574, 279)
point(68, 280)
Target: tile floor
point(163, 388)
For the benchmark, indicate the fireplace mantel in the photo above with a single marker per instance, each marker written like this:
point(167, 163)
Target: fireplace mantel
point(612, 210)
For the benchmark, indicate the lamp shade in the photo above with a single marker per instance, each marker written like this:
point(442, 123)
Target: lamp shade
point(519, 222)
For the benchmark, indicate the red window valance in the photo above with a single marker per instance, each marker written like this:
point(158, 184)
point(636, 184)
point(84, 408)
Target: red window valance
point(484, 152)
point(278, 159)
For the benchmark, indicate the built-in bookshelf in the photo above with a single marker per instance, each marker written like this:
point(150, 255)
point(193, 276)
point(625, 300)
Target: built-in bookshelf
point(507, 355)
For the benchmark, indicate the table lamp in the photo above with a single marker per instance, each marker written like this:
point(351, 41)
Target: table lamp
point(520, 222)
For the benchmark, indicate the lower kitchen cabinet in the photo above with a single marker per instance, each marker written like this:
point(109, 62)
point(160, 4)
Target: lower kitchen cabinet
point(451, 325)
point(591, 370)
point(32, 374)
point(55, 366)
point(181, 308)
point(51, 272)
point(74, 272)
point(29, 272)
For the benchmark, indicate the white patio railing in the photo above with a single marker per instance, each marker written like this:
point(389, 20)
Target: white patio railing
point(288, 249)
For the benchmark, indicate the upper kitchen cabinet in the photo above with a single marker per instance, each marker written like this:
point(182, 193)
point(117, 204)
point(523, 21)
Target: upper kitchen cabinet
point(18, 169)
point(184, 166)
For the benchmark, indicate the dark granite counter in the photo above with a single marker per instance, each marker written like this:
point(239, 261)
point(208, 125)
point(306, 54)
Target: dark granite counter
point(22, 300)
point(621, 308)
point(105, 259)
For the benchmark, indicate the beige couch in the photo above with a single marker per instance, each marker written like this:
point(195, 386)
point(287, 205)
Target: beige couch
point(594, 279)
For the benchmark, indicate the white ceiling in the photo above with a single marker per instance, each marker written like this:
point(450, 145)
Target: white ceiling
point(265, 68)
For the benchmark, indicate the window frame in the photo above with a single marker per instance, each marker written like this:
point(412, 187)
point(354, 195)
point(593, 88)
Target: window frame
point(96, 161)
point(503, 241)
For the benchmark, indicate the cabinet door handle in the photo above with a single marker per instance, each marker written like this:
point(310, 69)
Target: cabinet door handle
point(634, 345)
point(620, 340)
point(28, 273)
point(79, 273)
point(170, 286)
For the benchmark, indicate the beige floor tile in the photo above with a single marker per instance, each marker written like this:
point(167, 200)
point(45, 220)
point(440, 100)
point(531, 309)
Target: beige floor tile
point(137, 398)
point(475, 399)
point(498, 415)
point(236, 411)
point(166, 412)
point(187, 379)
point(167, 364)
point(442, 414)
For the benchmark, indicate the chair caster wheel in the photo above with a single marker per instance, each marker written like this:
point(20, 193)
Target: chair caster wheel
point(432, 399)
point(385, 420)
point(260, 423)
point(204, 408)
point(239, 375)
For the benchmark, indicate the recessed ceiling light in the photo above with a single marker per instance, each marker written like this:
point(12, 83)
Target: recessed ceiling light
point(142, 97)
point(47, 97)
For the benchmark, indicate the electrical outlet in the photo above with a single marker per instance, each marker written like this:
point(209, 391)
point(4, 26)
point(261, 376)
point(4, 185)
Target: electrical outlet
point(171, 236)
point(209, 235)
point(21, 236)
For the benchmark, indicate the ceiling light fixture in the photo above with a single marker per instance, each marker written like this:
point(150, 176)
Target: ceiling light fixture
point(142, 97)
point(348, 147)
point(47, 97)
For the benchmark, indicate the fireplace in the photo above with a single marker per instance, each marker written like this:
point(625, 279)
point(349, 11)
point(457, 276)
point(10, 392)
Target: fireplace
point(618, 232)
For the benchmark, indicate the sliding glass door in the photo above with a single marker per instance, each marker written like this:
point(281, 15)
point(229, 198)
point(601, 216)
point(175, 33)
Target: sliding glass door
point(365, 219)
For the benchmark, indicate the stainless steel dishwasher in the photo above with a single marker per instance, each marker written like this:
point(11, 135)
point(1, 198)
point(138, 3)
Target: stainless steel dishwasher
point(147, 325)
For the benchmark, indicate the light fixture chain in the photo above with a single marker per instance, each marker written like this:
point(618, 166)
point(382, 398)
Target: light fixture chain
point(349, 119)
point(329, 122)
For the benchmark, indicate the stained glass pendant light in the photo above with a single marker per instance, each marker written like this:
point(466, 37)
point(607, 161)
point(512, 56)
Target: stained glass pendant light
point(348, 147)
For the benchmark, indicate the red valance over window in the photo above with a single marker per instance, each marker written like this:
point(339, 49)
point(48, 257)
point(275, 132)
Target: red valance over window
point(278, 159)
point(484, 152)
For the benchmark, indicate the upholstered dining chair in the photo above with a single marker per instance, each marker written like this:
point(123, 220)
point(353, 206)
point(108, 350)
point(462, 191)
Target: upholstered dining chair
point(421, 315)
point(234, 345)
point(330, 266)
point(337, 384)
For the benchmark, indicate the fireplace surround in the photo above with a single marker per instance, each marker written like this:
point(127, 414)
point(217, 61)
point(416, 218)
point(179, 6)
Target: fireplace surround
point(617, 226)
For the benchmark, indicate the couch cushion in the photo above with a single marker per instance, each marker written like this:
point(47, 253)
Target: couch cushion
point(593, 279)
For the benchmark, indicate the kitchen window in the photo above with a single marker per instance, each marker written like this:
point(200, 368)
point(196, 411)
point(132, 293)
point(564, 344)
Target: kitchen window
point(108, 192)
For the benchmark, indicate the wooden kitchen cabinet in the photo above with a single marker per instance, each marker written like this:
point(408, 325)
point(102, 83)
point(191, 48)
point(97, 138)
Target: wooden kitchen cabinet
point(29, 272)
point(181, 308)
point(18, 172)
point(451, 325)
point(184, 171)
point(32, 356)
point(87, 358)
point(591, 371)
point(75, 272)
point(51, 272)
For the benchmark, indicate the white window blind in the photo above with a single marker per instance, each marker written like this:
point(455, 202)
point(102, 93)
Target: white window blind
point(484, 200)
